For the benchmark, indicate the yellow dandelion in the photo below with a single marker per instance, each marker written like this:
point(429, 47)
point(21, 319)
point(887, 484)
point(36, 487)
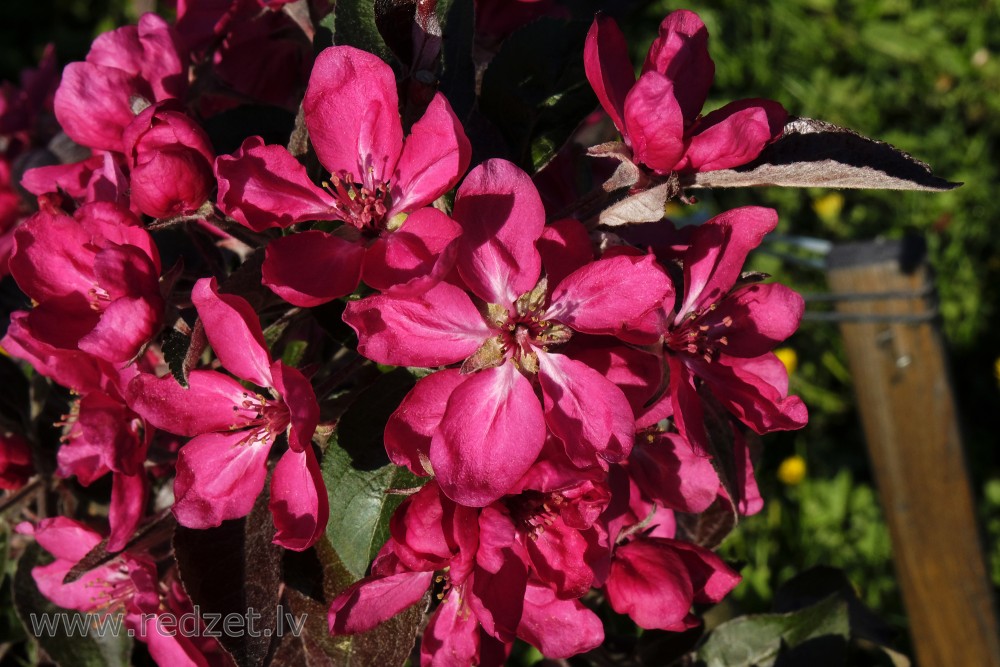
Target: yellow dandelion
point(792, 470)
point(788, 357)
point(828, 206)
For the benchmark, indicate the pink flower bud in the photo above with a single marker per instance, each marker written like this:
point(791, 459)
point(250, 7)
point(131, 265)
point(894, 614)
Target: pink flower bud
point(15, 461)
point(170, 158)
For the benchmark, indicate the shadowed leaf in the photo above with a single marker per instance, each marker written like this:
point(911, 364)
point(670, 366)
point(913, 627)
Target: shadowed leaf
point(645, 206)
point(233, 568)
point(389, 644)
point(535, 89)
point(353, 23)
point(757, 641)
point(814, 153)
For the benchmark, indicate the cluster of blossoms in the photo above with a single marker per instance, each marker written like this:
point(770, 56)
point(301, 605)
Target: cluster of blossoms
point(574, 387)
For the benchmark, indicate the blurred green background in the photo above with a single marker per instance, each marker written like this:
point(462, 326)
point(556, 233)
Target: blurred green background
point(924, 76)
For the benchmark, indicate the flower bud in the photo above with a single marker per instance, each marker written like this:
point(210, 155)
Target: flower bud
point(170, 158)
point(15, 461)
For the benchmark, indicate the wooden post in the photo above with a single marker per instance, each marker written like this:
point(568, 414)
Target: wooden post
point(897, 360)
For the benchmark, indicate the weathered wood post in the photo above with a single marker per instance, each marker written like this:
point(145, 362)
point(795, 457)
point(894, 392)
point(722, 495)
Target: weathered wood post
point(894, 348)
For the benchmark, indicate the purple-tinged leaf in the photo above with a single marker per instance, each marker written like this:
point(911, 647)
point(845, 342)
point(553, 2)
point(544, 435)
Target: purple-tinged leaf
point(389, 644)
point(233, 568)
point(645, 206)
point(814, 153)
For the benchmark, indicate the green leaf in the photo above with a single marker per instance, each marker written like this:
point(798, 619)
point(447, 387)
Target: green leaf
point(360, 507)
point(757, 641)
point(358, 474)
point(294, 352)
point(111, 649)
point(353, 23)
point(535, 89)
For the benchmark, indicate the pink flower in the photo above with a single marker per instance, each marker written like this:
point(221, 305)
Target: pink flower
point(665, 466)
point(658, 115)
point(555, 510)
point(487, 595)
point(377, 179)
point(481, 426)
point(655, 581)
point(95, 278)
point(143, 61)
point(127, 585)
point(723, 332)
point(222, 470)
point(170, 162)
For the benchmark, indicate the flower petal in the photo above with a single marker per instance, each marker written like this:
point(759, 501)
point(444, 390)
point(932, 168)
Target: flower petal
point(712, 578)
point(501, 216)
point(352, 113)
point(762, 316)
point(609, 70)
point(264, 186)
point(89, 91)
point(636, 372)
point(52, 257)
point(587, 412)
point(297, 393)
point(410, 428)
point(756, 391)
point(500, 576)
point(717, 253)
point(150, 50)
point(414, 251)
point(375, 600)
point(434, 158)
point(491, 433)
point(733, 135)
point(670, 472)
point(558, 628)
point(128, 505)
point(441, 326)
point(605, 296)
point(431, 532)
point(299, 502)
point(654, 123)
point(311, 268)
point(453, 635)
point(681, 53)
point(649, 581)
point(207, 404)
point(219, 476)
point(124, 328)
point(233, 330)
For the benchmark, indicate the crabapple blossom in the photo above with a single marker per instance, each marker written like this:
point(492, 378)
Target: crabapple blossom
point(379, 185)
point(490, 426)
point(222, 470)
point(658, 115)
